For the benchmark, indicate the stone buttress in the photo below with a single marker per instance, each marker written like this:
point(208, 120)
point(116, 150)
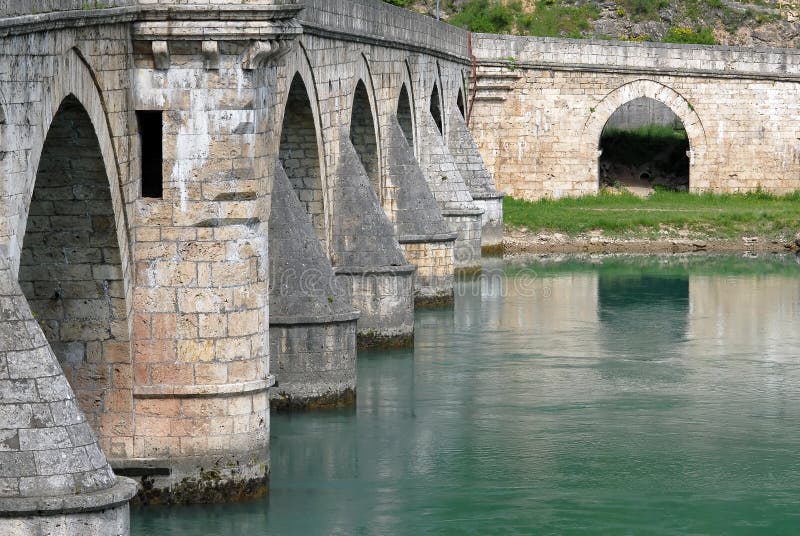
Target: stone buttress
point(201, 367)
point(479, 182)
point(449, 189)
point(312, 324)
point(422, 232)
point(367, 258)
point(54, 479)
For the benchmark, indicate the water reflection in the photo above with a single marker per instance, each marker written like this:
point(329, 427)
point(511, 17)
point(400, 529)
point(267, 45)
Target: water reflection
point(606, 395)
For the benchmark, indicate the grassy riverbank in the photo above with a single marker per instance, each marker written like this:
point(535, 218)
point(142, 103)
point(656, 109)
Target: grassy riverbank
point(664, 214)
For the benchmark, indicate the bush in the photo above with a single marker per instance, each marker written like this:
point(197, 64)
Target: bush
point(643, 9)
point(550, 18)
point(703, 36)
point(487, 17)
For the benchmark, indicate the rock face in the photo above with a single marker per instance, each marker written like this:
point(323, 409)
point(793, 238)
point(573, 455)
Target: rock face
point(732, 23)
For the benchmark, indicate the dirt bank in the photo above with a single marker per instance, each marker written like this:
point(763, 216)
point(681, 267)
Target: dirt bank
point(525, 241)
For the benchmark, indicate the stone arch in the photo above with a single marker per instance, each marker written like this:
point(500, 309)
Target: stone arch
point(602, 112)
point(74, 76)
point(71, 269)
point(460, 103)
point(301, 149)
point(364, 126)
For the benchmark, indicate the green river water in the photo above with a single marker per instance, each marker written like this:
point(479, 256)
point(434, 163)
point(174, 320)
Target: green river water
point(561, 395)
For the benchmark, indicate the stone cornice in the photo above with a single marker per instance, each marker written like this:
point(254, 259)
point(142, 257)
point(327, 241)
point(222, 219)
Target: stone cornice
point(234, 23)
point(263, 18)
point(57, 20)
point(646, 71)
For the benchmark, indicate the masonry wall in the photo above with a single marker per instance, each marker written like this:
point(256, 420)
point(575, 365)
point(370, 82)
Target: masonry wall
point(538, 118)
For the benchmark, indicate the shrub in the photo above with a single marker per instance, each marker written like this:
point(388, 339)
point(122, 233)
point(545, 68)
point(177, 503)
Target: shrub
point(680, 34)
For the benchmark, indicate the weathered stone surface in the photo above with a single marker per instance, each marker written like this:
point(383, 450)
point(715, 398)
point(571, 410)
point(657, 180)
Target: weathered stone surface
point(312, 323)
point(43, 469)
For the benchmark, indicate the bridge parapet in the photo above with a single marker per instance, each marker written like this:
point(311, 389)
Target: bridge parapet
point(516, 53)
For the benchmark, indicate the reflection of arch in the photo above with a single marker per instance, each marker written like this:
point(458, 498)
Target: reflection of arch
point(364, 128)
point(302, 104)
point(70, 264)
point(600, 114)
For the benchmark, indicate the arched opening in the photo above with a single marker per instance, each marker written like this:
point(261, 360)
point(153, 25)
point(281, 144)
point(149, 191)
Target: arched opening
point(362, 134)
point(299, 154)
point(70, 266)
point(644, 144)
point(436, 108)
point(404, 116)
point(460, 103)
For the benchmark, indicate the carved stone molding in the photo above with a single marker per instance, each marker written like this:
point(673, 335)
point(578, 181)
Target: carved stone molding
point(211, 54)
point(258, 53)
point(160, 55)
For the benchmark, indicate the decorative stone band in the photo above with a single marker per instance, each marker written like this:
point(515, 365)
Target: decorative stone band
point(649, 70)
point(270, 31)
point(488, 196)
point(462, 212)
point(56, 20)
point(420, 239)
point(375, 270)
point(117, 495)
point(275, 320)
point(195, 391)
point(240, 30)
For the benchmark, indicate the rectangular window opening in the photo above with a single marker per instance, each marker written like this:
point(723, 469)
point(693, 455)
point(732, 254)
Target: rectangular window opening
point(150, 135)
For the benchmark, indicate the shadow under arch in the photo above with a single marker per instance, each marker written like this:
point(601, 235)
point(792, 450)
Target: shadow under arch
point(299, 131)
point(682, 108)
point(71, 271)
point(405, 107)
point(71, 250)
point(74, 76)
point(365, 132)
point(436, 107)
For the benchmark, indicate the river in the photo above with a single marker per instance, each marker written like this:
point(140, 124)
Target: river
point(561, 395)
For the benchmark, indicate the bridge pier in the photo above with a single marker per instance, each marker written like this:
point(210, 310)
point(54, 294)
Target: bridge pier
point(462, 214)
point(201, 367)
point(367, 258)
point(312, 325)
point(478, 180)
point(55, 479)
point(422, 232)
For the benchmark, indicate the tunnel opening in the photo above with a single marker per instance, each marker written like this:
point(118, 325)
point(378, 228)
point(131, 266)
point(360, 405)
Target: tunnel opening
point(436, 108)
point(404, 116)
point(71, 271)
point(362, 135)
point(643, 146)
point(460, 104)
point(299, 154)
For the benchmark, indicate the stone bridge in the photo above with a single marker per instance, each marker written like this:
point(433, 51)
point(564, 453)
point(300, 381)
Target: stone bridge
point(541, 105)
point(206, 208)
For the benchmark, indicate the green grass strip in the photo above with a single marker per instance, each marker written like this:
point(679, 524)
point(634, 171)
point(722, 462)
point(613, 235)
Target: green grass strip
point(723, 216)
